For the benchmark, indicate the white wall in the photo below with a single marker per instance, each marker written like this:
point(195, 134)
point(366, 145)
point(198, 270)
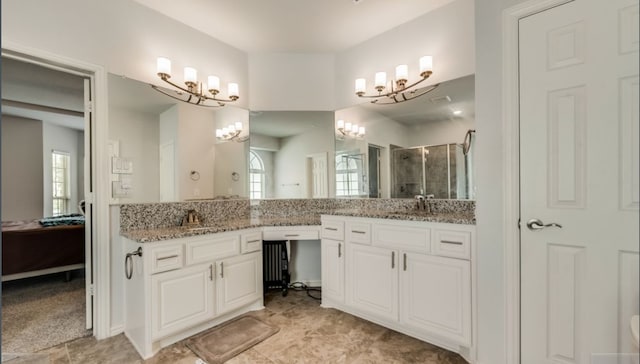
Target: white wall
point(62, 139)
point(440, 132)
point(138, 134)
point(123, 36)
point(291, 81)
point(488, 175)
point(22, 169)
point(290, 162)
point(446, 33)
point(194, 152)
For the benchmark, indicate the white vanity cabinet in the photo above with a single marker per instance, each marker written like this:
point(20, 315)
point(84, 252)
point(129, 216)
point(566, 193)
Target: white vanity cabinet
point(332, 257)
point(181, 299)
point(180, 287)
point(411, 276)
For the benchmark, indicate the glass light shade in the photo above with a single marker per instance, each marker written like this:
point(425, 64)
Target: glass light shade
point(233, 89)
point(163, 65)
point(238, 126)
point(402, 72)
point(354, 128)
point(190, 75)
point(218, 133)
point(381, 79)
point(361, 131)
point(426, 64)
point(214, 83)
point(340, 124)
point(225, 131)
point(347, 126)
point(361, 85)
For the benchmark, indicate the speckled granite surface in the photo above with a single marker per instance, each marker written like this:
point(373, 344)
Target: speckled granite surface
point(161, 221)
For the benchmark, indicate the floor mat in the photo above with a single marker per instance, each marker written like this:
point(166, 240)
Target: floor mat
point(223, 342)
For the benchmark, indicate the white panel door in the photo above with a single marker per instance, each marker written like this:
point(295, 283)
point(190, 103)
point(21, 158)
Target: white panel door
point(435, 296)
point(579, 169)
point(319, 175)
point(181, 299)
point(333, 270)
point(372, 280)
point(239, 281)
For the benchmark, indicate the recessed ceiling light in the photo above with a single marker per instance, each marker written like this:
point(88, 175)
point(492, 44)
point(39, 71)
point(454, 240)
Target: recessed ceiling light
point(457, 112)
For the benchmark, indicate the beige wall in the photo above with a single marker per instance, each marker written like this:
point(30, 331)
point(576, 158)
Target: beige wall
point(22, 169)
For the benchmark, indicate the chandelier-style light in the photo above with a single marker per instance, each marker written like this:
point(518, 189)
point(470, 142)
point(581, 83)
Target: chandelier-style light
point(401, 92)
point(348, 129)
point(195, 91)
point(230, 132)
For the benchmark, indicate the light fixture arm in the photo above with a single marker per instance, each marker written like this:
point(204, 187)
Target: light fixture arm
point(398, 89)
point(405, 96)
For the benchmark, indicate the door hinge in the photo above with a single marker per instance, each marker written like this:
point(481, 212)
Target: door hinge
point(91, 290)
point(89, 107)
point(519, 224)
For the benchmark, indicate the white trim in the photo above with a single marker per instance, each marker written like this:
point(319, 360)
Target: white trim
point(511, 167)
point(116, 330)
point(102, 307)
point(40, 272)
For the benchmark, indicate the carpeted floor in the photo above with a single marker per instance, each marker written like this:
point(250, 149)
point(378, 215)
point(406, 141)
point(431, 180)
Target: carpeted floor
point(42, 312)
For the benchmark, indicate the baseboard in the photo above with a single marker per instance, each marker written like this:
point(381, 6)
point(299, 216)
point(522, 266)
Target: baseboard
point(116, 330)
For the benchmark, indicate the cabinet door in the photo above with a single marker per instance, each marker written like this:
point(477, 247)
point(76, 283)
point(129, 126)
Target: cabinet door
point(435, 296)
point(372, 280)
point(180, 299)
point(239, 281)
point(333, 270)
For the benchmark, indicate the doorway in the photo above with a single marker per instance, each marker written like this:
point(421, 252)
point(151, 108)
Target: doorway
point(56, 103)
point(578, 204)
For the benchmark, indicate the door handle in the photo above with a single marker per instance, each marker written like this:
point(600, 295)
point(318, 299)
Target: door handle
point(536, 224)
point(221, 269)
point(339, 250)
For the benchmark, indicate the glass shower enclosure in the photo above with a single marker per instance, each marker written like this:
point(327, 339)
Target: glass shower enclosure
point(438, 171)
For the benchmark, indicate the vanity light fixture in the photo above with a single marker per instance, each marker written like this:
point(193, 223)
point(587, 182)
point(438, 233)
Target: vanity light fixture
point(401, 92)
point(230, 132)
point(195, 92)
point(348, 129)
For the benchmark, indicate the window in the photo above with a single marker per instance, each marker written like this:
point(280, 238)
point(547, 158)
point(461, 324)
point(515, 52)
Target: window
point(256, 176)
point(61, 193)
point(347, 176)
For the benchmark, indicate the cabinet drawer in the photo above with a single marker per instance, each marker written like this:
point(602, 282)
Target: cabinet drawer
point(358, 232)
point(290, 235)
point(450, 243)
point(166, 258)
point(417, 239)
point(332, 229)
point(251, 242)
point(207, 250)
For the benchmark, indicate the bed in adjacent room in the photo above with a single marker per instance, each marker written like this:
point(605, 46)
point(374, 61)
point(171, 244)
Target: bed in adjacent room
point(45, 246)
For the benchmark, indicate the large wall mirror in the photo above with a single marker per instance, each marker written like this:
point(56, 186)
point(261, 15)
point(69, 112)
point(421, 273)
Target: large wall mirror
point(172, 147)
point(291, 154)
point(423, 146)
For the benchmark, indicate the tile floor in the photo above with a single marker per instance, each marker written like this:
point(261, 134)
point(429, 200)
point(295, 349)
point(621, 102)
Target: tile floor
point(308, 334)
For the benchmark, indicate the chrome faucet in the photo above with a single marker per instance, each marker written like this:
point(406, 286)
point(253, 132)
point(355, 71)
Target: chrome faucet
point(420, 202)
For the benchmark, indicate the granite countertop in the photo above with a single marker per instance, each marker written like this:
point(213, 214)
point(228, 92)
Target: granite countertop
point(166, 233)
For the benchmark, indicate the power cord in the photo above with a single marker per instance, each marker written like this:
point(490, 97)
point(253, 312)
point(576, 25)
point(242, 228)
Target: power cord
point(299, 286)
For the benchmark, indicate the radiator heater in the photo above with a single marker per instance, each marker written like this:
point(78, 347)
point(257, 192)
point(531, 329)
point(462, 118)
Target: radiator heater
point(275, 266)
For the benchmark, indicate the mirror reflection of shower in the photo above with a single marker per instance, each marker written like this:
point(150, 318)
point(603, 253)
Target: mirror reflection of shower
point(438, 171)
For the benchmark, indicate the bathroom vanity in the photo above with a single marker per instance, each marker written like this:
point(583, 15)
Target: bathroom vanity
point(384, 261)
point(179, 287)
point(414, 277)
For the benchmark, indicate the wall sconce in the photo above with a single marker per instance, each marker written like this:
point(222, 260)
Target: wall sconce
point(195, 91)
point(348, 129)
point(401, 92)
point(230, 132)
